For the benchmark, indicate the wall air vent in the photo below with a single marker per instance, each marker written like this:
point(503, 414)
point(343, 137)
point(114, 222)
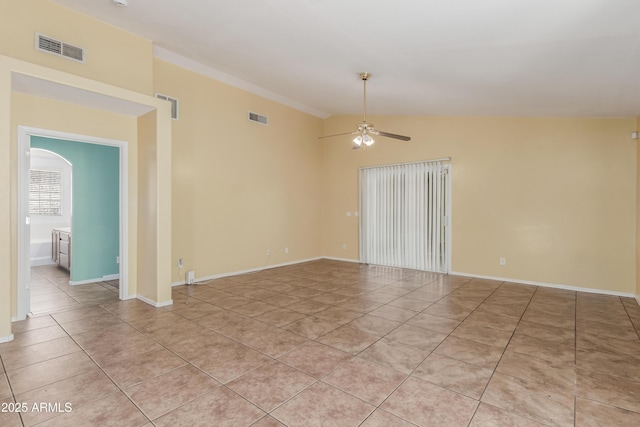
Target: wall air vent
point(258, 118)
point(56, 47)
point(174, 104)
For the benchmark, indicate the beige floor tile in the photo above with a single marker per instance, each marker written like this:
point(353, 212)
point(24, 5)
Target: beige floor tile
point(546, 350)
point(233, 328)
point(464, 378)
point(338, 315)
point(76, 391)
point(231, 361)
point(5, 390)
point(273, 342)
point(348, 339)
point(9, 418)
point(623, 331)
point(491, 416)
point(312, 327)
point(112, 411)
point(270, 385)
point(315, 359)
point(24, 356)
point(420, 338)
point(365, 380)
point(396, 355)
point(51, 371)
point(614, 391)
point(393, 313)
point(323, 405)
point(374, 325)
point(145, 366)
point(425, 404)
point(380, 418)
point(449, 311)
point(485, 356)
point(31, 323)
point(546, 332)
point(268, 422)
point(615, 365)
point(434, 323)
point(530, 400)
point(594, 414)
point(168, 391)
point(592, 342)
point(254, 308)
point(220, 408)
point(280, 317)
point(31, 337)
point(480, 332)
point(360, 305)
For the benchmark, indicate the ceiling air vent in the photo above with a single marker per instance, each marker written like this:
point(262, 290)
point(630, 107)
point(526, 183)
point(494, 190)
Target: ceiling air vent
point(174, 104)
point(56, 47)
point(258, 118)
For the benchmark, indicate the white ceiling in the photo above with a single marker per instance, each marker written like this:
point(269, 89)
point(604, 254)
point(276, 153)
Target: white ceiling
point(427, 57)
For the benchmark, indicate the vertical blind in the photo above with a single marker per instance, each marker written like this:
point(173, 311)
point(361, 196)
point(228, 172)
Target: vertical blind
point(403, 212)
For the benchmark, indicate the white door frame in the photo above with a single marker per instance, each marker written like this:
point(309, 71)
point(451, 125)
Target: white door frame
point(24, 269)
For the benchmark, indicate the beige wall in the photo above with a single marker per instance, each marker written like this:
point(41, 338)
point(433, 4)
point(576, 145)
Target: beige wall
point(555, 196)
point(113, 56)
point(239, 188)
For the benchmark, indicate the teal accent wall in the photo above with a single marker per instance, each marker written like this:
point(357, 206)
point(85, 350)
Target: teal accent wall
point(95, 217)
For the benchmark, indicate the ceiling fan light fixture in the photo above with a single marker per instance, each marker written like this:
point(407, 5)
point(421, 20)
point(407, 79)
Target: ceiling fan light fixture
point(367, 140)
point(358, 140)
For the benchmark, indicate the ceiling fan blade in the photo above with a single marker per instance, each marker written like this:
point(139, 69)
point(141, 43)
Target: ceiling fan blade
point(338, 134)
point(393, 135)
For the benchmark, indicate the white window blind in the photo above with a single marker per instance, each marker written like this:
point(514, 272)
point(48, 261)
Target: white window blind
point(45, 191)
point(403, 212)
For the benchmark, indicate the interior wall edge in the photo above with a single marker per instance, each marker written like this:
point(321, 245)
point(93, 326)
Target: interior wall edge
point(548, 285)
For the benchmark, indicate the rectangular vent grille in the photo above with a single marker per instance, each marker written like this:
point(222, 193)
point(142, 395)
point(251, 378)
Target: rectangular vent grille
point(174, 104)
point(56, 47)
point(258, 118)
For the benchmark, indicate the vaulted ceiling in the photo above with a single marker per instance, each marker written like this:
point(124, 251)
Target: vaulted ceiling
point(427, 57)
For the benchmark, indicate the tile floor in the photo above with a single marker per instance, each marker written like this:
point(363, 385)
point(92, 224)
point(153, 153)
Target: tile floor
point(51, 292)
point(333, 344)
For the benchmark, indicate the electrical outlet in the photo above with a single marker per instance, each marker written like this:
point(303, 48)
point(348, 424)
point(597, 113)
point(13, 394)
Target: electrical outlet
point(503, 261)
point(344, 246)
point(268, 252)
point(286, 250)
point(117, 260)
point(180, 263)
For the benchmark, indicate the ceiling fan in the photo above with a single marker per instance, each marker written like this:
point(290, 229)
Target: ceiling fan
point(364, 129)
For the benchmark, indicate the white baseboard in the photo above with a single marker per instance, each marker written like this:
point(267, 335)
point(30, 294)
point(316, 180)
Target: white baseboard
point(96, 280)
point(342, 259)
point(153, 303)
point(547, 285)
point(251, 270)
point(37, 262)
point(7, 338)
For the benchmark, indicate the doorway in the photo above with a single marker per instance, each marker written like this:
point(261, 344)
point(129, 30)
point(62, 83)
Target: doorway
point(78, 275)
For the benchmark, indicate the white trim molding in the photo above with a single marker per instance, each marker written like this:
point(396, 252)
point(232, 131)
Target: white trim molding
point(546, 285)
point(251, 270)
point(333, 258)
point(6, 339)
point(153, 303)
point(221, 76)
